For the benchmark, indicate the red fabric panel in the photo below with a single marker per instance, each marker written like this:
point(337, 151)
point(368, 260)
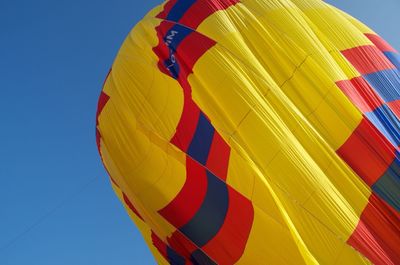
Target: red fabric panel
point(98, 136)
point(218, 158)
point(103, 99)
point(361, 94)
point(162, 51)
point(377, 236)
point(368, 59)
point(188, 201)
point(229, 244)
point(159, 244)
point(367, 152)
point(380, 43)
point(187, 125)
point(191, 49)
point(202, 9)
point(395, 107)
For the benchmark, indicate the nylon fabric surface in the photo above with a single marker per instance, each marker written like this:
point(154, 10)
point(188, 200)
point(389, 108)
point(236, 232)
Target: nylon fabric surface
point(256, 132)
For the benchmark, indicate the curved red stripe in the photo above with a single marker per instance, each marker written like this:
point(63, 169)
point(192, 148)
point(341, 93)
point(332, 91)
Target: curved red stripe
point(202, 9)
point(218, 158)
point(188, 201)
point(380, 43)
point(187, 125)
point(367, 59)
point(159, 244)
point(367, 152)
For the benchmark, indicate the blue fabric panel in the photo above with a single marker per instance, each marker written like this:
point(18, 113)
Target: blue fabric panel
point(176, 35)
point(173, 38)
point(179, 9)
point(174, 258)
point(386, 83)
point(387, 123)
point(201, 143)
point(388, 186)
point(211, 216)
point(394, 58)
point(199, 258)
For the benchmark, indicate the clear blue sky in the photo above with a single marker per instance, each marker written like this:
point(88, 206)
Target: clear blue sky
point(54, 57)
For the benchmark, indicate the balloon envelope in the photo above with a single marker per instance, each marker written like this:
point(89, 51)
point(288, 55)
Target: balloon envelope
point(256, 132)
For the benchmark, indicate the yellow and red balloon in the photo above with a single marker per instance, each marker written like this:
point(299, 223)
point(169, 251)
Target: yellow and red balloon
point(256, 132)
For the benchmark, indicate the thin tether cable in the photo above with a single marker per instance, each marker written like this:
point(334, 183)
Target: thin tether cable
point(45, 216)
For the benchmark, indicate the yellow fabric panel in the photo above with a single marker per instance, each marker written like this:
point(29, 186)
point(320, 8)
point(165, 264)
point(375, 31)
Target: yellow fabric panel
point(247, 40)
point(349, 256)
point(286, 17)
point(232, 87)
point(159, 110)
point(148, 159)
point(260, 249)
point(336, 118)
point(323, 243)
point(240, 175)
point(315, 84)
point(334, 26)
point(140, 201)
point(308, 67)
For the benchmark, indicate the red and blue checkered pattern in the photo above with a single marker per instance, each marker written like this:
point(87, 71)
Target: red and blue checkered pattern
point(372, 150)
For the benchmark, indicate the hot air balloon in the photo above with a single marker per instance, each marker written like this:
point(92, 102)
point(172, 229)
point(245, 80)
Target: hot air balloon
point(256, 132)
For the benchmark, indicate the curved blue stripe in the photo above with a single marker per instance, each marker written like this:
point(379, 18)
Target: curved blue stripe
point(179, 9)
point(201, 143)
point(388, 186)
point(394, 58)
point(387, 123)
point(211, 216)
point(174, 258)
point(199, 258)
